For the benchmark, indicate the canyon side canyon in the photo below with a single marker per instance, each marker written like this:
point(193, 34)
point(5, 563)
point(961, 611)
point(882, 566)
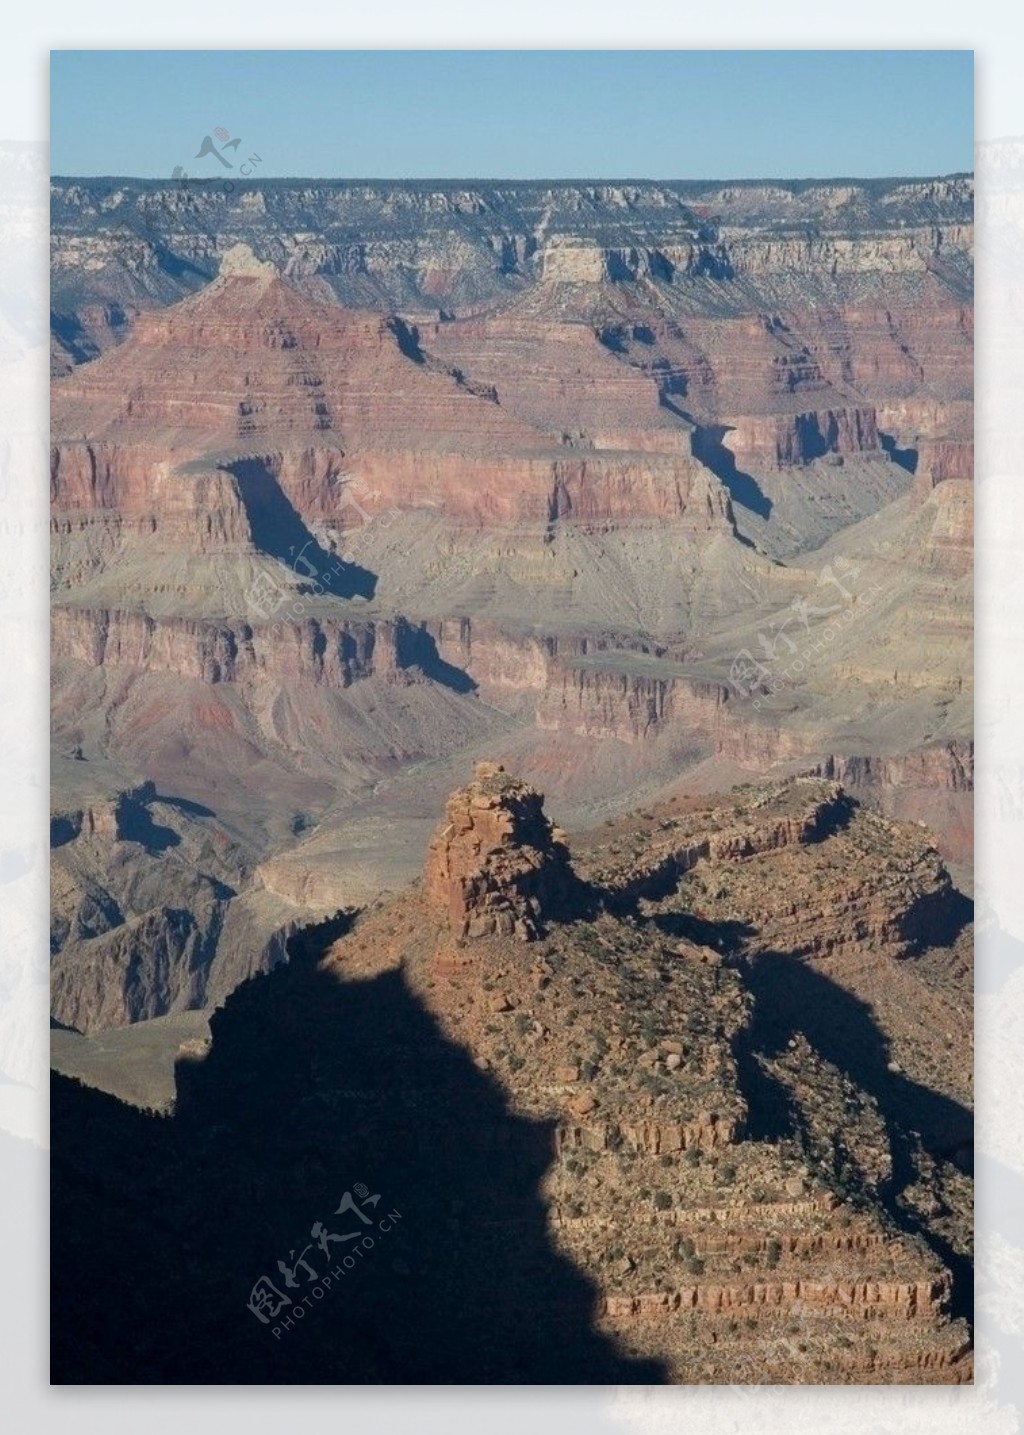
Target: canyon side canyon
point(380, 510)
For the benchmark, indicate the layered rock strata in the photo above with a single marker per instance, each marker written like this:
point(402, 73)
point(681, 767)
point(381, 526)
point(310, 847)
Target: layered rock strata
point(496, 866)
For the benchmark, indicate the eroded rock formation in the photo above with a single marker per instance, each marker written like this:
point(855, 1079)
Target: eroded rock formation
point(734, 1153)
point(496, 866)
point(556, 474)
point(715, 982)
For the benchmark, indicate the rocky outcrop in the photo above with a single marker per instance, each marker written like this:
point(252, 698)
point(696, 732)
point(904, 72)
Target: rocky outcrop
point(893, 890)
point(775, 442)
point(815, 810)
point(496, 865)
point(944, 767)
point(659, 1028)
point(334, 654)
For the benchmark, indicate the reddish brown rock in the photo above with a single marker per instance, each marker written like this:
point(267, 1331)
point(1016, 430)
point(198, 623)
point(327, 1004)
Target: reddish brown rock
point(495, 866)
point(705, 1240)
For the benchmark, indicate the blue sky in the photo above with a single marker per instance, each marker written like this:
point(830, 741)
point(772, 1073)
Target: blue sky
point(515, 114)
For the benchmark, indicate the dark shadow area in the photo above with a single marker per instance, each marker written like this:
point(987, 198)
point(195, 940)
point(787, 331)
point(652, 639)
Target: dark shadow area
point(832, 818)
point(619, 272)
point(314, 1088)
point(905, 457)
point(706, 444)
point(811, 442)
point(177, 267)
point(711, 263)
point(671, 385)
point(790, 997)
point(613, 337)
point(417, 648)
point(62, 831)
point(135, 824)
point(407, 336)
point(651, 885)
point(68, 330)
point(184, 805)
point(278, 530)
point(728, 938)
point(937, 919)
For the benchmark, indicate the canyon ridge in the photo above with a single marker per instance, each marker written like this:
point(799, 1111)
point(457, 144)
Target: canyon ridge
point(535, 618)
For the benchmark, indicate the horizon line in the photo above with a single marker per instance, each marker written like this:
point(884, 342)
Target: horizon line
point(251, 181)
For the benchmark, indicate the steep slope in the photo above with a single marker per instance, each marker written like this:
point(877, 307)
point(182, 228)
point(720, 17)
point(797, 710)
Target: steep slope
point(643, 1106)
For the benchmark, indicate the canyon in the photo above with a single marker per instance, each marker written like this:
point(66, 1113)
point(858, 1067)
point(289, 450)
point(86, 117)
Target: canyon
point(630, 485)
point(373, 502)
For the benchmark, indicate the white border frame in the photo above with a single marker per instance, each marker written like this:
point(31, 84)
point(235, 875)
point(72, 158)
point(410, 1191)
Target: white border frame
point(994, 1405)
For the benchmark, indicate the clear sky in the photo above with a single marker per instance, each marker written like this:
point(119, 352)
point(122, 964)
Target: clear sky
point(515, 114)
